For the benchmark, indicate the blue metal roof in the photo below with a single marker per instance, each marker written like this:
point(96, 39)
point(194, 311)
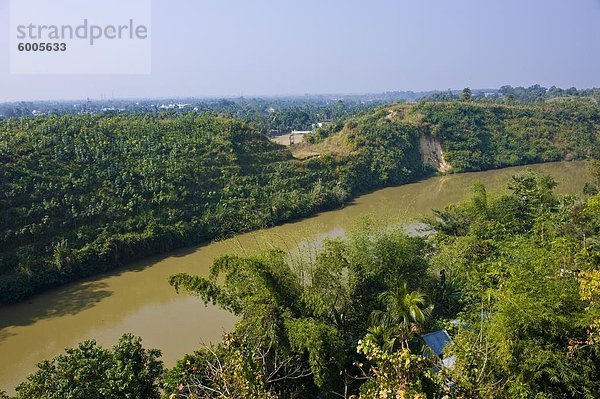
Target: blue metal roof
point(437, 340)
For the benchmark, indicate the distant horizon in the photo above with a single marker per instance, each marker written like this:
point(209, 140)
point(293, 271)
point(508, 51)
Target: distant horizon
point(278, 96)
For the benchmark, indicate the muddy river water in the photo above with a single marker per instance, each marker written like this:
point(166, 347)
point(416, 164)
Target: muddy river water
point(138, 299)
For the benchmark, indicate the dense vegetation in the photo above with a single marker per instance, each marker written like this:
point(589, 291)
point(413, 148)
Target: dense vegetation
point(514, 279)
point(90, 371)
point(528, 269)
point(479, 136)
point(281, 112)
point(540, 93)
point(82, 194)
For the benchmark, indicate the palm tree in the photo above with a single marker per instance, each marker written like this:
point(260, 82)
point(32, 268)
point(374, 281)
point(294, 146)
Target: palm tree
point(382, 336)
point(405, 312)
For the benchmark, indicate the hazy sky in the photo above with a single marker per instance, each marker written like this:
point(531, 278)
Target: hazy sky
point(260, 47)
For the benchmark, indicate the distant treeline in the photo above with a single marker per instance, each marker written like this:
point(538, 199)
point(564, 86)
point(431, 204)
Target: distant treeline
point(522, 94)
point(273, 113)
point(284, 113)
point(82, 194)
point(262, 114)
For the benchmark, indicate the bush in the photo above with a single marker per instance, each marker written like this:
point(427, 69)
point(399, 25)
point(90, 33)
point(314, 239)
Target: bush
point(92, 372)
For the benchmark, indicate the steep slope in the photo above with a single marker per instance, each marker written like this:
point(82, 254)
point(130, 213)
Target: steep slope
point(464, 136)
point(478, 136)
point(432, 153)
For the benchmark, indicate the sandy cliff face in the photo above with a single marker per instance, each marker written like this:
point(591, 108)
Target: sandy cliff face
point(432, 154)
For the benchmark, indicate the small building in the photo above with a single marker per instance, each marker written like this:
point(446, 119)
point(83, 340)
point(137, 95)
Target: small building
point(436, 341)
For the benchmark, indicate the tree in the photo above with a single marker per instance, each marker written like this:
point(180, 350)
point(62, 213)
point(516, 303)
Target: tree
point(300, 321)
point(405, 313)
point(396, 374)
point(447, 295)
point(589, 287)
point(92, 372)
point(279, 343)
point(466, 94)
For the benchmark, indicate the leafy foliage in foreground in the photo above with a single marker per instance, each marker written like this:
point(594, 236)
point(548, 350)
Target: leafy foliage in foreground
point(526, 264)
point(299, 325)
point(92, 372)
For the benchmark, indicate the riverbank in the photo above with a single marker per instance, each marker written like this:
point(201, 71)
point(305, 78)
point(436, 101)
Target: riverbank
point(138, 299)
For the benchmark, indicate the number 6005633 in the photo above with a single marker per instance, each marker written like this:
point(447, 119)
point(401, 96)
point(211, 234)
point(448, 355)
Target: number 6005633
point(42, 46)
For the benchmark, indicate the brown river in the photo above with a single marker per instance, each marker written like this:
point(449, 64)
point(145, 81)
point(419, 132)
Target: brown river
point(138, 299)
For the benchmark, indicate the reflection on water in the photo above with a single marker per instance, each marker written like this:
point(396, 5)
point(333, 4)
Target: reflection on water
point(139, 300)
